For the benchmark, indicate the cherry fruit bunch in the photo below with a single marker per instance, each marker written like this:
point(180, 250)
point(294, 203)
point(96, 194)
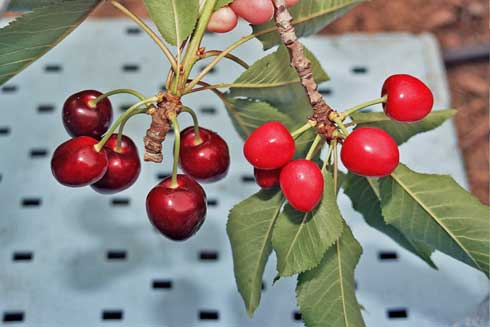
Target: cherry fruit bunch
point(367, 151)
point(109, 162)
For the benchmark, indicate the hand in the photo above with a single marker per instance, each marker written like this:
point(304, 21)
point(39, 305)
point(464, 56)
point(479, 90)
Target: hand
point(255, 12)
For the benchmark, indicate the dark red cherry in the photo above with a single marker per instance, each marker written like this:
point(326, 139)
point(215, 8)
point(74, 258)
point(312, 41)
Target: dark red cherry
point(77, 163)
point(267, 178)
point(83, 119)
point(206, 161)
point(370, 151)
point(409, 99)
point(302, 184)
point(178, 212)
point(123, 168)
point(270, 146)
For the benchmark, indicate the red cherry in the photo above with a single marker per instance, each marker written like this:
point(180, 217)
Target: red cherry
point(370, 151)
point(76, 162)
point(222, 20)
point(207, 161)
point(254, 11)
point(409, 99)
point(81, 119)
point(267, 178)
point(179, 212)
point(302, 184)
point(270, 146)
point(123, 168)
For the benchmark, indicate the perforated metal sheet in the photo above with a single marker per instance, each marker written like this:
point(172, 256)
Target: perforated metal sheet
point(71, 257)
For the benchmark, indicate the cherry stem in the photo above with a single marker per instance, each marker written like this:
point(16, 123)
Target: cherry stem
point(197, 133)
point(100, 145)
point(176, 127)
point(123, 124)
point(327, 157)
point(297, 133)
point(352, 110)
point(335, 165)
point(209, 87)
point(192, 52)
point(148, 31)
point(341, 125)
point(313, 147)
point(214, 53)
point(223, 54)
point(93, 103)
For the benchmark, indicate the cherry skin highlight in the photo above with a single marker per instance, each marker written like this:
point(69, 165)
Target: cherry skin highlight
point(81, 119)
point(256, 12)
point(267, 178)
point(222, 21)
point(207, 161)
point(179, 212)
point(123, 166)
point(409, 99)
point(270, 146)
point(371, 152)
point(76, 163)
point(302, 184)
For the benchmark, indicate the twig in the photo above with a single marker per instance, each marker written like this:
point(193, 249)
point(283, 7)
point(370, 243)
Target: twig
point(302, 65)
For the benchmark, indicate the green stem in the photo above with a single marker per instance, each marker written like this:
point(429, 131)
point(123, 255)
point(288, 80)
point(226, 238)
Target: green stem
point(100, 145)
point(197, 134)
point(175, 124)
point(191, 55)
point(123, 124)
point(214, 53)
point(327, 157)
point(335, 165)
point(224, 53)
point(352, 110)
point(93, 103)
point(210, 87)
point(339, 123)
point(315, 143)
point(297, 133)
point(148, 31)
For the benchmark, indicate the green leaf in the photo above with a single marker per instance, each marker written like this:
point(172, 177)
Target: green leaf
point(434, 209)
point(24, 5)
point(249, 229)
point(273, 73)
point(326, 295)
point(310, 16)
point(175, 19)
point(365, 197)
point(301, 239)
point(222, 3)
point(401, 132)
point(33, 34)
point(247, 115)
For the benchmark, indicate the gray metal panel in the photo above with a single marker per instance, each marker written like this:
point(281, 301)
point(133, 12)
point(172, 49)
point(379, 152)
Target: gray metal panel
point(70, 282)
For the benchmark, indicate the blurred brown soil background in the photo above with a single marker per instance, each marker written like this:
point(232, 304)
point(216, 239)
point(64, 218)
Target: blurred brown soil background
point(459, 25)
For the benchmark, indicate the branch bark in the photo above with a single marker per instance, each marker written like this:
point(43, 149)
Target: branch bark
point(160, 126)
point(302, 65)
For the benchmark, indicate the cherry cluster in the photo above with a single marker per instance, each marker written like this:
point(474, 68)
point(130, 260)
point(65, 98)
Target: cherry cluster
point(367, 151)
point(110, 163)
